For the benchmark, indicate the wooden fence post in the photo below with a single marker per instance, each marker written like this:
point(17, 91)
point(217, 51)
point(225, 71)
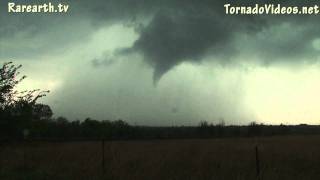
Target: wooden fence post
point(257, 161)
point(2, 144)
point(25, 133)
point(103, 161)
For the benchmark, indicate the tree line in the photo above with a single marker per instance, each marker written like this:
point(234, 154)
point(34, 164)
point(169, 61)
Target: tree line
point(21, 115)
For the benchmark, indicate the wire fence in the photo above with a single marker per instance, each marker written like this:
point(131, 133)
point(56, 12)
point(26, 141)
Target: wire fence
point(92, 157)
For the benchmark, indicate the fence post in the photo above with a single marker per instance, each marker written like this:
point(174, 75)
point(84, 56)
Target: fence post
point(103, 162)
point(257, 161)
point(25, 133)
point(24, 153)
point(2, 144)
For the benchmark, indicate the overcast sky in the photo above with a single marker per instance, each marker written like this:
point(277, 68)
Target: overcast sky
point(168, 62)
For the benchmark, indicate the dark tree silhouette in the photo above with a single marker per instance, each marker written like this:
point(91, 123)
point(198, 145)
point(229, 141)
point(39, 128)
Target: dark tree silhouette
point(18, 108)
point(42, 111)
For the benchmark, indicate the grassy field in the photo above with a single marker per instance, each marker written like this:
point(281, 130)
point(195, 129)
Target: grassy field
point(292, 157)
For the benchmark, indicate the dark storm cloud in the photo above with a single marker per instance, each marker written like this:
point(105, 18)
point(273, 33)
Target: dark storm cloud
point(172, 38)
point(30, 35)
point(196, 29)
point(175, 31)
point(106, 60)
point(295, 44)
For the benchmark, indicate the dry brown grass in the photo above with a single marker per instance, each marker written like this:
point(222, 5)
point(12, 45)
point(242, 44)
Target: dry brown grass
point(284, 158)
